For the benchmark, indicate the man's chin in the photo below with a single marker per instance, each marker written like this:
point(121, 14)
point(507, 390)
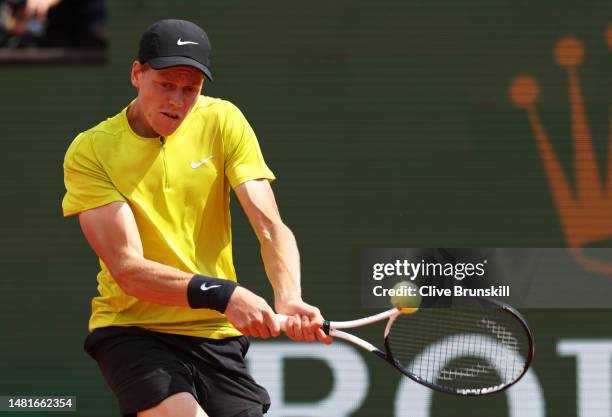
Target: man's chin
point(167, 130)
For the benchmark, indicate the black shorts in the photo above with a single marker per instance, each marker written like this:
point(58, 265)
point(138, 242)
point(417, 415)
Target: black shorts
point(143, 368)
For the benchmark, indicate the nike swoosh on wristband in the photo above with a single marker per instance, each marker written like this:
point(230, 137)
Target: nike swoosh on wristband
point(205, 288)
point(181, 43)
point(196, 165)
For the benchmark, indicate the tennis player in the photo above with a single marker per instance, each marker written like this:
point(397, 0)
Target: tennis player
point(151, 186)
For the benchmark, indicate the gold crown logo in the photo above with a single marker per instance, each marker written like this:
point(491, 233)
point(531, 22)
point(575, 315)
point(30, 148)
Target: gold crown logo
point(586, 212)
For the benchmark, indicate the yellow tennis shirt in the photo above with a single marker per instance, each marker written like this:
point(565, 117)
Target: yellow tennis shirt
point(178, 188)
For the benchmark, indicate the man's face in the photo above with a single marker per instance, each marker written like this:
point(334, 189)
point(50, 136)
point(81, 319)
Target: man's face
point(165, 96)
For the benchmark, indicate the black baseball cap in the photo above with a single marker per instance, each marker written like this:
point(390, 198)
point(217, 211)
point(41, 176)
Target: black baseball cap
point(172, 42)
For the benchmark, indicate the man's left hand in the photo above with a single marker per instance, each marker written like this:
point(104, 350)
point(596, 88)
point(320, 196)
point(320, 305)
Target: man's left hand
point(304, 321)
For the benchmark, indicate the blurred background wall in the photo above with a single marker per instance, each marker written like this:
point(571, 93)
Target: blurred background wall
point(388, 124)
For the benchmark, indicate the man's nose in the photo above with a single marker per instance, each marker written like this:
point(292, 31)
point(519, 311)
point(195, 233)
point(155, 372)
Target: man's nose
point(176, 99)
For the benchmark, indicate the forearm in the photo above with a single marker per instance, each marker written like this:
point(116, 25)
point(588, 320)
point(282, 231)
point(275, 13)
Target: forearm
point(152, 281)
point(282, 262)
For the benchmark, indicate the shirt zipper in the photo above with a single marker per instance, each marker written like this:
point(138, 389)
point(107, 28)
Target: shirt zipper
point(162, 141)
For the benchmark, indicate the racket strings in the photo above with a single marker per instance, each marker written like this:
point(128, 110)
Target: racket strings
point(460, 349)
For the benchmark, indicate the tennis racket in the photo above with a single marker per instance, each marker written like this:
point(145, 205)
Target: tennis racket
point(477, 346)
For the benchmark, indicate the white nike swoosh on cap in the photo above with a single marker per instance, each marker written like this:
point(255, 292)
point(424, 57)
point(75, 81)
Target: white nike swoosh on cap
point(180, 42)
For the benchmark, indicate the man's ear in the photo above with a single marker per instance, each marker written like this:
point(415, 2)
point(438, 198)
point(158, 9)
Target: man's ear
point(137, 70)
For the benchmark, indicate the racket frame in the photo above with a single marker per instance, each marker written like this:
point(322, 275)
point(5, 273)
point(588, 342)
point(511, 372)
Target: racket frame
point(332, 328)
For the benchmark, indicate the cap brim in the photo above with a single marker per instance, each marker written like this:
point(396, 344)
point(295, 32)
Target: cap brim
point(175, 61)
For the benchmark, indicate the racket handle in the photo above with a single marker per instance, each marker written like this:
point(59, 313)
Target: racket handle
point(282, 320)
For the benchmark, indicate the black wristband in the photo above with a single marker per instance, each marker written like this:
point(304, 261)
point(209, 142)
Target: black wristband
point(211, 293)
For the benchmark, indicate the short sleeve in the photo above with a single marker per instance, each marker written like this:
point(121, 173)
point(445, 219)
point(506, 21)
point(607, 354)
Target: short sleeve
point(243, 158)
point(87, 183)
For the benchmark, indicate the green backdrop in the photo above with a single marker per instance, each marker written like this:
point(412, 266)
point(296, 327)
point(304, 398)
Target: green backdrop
point(388, 124)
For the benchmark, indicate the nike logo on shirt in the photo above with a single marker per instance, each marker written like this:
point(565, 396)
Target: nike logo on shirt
point(196, 165)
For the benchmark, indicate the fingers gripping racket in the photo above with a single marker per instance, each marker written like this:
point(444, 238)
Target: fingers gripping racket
point(477, 346)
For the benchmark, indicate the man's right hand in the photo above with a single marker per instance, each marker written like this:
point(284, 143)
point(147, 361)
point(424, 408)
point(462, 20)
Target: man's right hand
point(251, 315)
